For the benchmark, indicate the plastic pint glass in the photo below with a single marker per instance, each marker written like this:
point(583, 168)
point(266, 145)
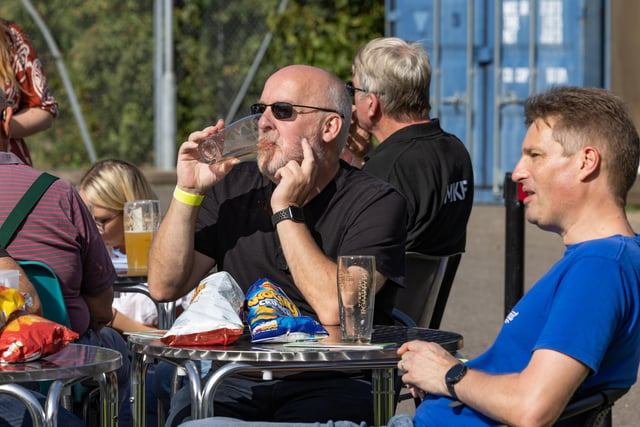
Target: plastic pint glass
point(141, 220)
point(356, 297)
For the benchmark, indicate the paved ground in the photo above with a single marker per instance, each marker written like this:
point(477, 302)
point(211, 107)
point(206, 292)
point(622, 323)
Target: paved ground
point(476, 304)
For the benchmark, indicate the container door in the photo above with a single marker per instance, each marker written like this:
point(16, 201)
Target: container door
point(488, 56)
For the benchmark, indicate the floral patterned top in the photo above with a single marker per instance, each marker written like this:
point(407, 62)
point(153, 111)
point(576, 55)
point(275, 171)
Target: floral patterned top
point(30, 75)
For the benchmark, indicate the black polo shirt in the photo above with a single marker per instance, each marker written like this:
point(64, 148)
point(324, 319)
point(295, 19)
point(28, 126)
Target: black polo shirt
point(356, 214)
point(433, 170)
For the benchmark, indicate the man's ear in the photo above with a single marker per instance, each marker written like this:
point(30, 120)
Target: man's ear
point(332, 127)
point(374, 109)
point(590, 158)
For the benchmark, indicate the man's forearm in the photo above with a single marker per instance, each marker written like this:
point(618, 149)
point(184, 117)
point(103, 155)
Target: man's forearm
point(171, 254)
point(314, 274)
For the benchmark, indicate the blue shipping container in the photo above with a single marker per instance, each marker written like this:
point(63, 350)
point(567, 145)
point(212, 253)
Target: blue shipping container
point(488, 56)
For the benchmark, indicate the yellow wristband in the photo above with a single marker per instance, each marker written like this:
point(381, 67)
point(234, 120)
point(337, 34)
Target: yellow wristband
point(187, 198)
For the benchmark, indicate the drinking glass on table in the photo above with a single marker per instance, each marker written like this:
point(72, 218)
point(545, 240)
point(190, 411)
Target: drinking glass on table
point(141, 221)
point(238, 140)
point(356, 296)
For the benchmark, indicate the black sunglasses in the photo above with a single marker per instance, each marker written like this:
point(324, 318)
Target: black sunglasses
point(284, 110)
point(351, 89)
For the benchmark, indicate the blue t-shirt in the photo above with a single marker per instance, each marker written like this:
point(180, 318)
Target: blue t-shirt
point(587, 306)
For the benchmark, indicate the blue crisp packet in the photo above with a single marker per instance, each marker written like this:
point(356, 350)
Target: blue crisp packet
point(272, 316)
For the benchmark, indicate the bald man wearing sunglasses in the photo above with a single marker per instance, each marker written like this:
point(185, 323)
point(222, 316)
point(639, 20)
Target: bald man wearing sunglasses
point(286, 217)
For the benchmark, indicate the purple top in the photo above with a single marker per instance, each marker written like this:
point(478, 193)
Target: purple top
point(59, 232)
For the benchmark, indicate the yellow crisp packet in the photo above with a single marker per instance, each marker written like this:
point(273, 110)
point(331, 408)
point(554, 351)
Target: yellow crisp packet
point(11, 300)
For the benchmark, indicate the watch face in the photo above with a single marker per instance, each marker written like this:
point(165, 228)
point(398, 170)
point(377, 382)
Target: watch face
point(456, 373)
point(297, 214)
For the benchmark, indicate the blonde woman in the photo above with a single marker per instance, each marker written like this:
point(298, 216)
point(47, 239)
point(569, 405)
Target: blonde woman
point(22, 78)
point(107, 186)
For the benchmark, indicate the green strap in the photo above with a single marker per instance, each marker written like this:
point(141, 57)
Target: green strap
point(24, 207)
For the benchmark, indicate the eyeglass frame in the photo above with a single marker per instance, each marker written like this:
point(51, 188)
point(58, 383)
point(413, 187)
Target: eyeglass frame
point(101, 225)
point(351, 89)
point(260, 108)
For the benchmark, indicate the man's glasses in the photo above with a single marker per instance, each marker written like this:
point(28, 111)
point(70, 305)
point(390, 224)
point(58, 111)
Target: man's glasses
point(284, 110)
point(351, 89)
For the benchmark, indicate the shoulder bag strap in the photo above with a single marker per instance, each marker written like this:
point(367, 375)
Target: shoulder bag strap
point(24, 207)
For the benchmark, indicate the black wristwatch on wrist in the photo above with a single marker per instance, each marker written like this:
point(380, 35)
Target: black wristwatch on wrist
point(293, 213)
point(453, 377)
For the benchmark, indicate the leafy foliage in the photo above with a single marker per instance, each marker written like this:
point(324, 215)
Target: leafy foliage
point(108, 49)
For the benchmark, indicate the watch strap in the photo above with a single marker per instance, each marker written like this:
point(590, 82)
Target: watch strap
point(453, 377)
point(293, 213)
point(452, 391)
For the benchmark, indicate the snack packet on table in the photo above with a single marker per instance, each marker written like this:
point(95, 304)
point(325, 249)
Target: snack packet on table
point(272, 316)
point(11, 301)
point(29, 337)
point(213, 316)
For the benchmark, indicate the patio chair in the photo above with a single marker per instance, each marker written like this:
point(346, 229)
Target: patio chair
point(46, 283)
point(428, 281)
point(591, 411)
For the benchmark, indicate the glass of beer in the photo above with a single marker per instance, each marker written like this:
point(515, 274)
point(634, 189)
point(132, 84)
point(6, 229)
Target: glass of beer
point(238, 140)
point(141, 220)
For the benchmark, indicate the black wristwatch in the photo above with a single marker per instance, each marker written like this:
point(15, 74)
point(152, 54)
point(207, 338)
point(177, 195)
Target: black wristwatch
point(293, 213)
point(453, 377)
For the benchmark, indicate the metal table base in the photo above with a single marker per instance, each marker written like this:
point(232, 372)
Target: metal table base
point(244, 356)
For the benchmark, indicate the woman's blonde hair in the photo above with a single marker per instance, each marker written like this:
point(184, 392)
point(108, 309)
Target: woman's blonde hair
point(111, 183)
point(7, 76)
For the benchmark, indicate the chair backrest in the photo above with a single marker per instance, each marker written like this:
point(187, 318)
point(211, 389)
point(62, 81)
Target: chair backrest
point(428, 281)
point(591, 411)
point(46, 282)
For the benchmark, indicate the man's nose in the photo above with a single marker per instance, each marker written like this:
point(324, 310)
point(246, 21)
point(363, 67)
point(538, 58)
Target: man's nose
point(518, 172)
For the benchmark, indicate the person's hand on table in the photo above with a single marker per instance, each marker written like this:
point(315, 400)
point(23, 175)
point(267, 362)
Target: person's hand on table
point(195, 176)
point(295, 181)
point(425, 365)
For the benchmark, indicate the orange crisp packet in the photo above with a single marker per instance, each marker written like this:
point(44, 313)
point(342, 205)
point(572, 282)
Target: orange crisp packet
point(30, 337)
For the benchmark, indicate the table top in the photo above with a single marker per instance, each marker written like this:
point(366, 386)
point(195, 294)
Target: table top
point(74, 360)
point(243, 350)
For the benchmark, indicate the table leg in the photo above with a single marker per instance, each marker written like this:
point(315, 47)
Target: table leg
point(29, 400)
point(53, 402)
point(214, 381)
point(138, 402)
point(383, 389)
point(195, 389)
point(109, 399)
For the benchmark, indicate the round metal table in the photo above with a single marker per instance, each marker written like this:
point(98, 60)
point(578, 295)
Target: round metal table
point(72, 364)
point(244, 356)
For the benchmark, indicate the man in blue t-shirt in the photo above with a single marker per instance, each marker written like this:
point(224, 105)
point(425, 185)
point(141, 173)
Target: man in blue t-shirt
point(578, 329)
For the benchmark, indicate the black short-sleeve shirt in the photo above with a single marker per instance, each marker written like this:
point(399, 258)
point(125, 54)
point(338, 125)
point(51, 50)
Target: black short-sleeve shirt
point(433, 170)
point(356, 214)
